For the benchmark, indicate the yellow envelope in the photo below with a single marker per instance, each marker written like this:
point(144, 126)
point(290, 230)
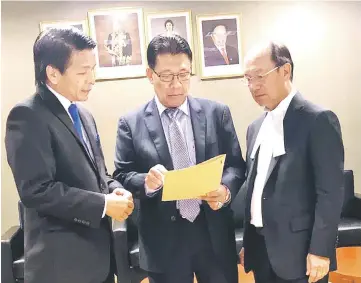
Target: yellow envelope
point(193, 181)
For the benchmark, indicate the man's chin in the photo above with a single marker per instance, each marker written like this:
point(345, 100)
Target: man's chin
point(84, 95)
point(175, 100)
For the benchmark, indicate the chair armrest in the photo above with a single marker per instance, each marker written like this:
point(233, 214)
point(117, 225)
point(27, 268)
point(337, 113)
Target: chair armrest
point(12, 247)
point(121, 251)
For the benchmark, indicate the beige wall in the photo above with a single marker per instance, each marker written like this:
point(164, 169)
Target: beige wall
point(324, 39)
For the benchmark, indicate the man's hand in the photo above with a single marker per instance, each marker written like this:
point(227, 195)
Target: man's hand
point(123, 192)
point(119, 204)
point(155, 177)
point(317, 267)
point(217, 198)
point(241, 256)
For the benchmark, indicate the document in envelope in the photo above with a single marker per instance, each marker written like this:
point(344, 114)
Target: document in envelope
point(194, 181)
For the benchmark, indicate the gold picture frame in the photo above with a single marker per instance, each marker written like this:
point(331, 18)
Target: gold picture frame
point(169, 23)
point(220, 46)
point(120, 36)
point(82, 25)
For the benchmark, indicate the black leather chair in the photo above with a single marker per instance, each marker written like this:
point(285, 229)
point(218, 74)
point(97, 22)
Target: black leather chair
point(126, 238)
point(12, 252)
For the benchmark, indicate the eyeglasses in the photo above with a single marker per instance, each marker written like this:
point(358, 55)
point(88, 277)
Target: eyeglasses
point(257, 79)
point(182, 76)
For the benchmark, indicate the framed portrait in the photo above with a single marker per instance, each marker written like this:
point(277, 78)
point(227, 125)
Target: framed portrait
point(220, 46)
point(120, 51)
point(81, 25)
point(170, 23)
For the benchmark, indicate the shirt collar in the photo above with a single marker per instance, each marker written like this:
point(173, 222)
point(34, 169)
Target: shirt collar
point(62, 99)
point(161, 108)
point(281, 109)
point(274, 123)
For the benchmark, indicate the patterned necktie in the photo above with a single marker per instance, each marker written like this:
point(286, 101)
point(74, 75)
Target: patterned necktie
point(189, 208)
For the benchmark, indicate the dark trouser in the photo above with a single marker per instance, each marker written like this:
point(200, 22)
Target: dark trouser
point(192, 256)
point(113, 266)
point(263, 272)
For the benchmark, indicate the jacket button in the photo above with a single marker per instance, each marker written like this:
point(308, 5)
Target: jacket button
point(76, 219)
point(173, 218)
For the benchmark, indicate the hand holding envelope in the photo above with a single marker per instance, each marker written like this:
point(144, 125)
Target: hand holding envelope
point(195, 181)
point(202, 181)
point(155, 178)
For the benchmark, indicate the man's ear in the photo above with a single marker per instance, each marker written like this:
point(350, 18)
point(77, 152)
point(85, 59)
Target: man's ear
point(149, 73)
point(287, 68)
point(52, 74)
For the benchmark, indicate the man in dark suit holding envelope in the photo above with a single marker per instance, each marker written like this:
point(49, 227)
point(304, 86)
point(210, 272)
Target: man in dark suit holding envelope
point(180, 238)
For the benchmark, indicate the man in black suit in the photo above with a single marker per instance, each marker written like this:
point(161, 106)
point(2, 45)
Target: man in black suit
point(295, 161)
point(220, 53)
point(174, 131)
point(55, 154)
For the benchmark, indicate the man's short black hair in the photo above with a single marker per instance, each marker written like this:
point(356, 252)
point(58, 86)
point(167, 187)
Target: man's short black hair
point(161, 44)
point(54, 47)
point(280, 55)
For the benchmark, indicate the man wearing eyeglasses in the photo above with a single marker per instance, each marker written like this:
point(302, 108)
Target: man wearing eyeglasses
point(173, 131)
point(295, 161)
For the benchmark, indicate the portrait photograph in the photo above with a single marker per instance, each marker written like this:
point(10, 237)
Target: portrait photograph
point(81, 25)
point(170, 23)
point(120, 51)
point(220, 46)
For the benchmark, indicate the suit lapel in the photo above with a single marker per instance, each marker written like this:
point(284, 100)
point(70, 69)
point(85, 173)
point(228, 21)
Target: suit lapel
point(154, 125)
point(252, 172)
point(198, 119)
point(274, 160)
point(272, 165)
point(290, 124)
point(92, 137)
point(58, 110)
point(254, 130)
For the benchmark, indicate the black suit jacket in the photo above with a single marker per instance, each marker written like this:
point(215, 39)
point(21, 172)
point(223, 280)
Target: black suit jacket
point(302, 198)
point(141, 144)
point(66, 240)
point(212, 56)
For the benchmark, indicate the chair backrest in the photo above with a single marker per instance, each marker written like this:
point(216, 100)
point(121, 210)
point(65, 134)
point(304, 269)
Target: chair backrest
point(21, 214)
point(349, 192)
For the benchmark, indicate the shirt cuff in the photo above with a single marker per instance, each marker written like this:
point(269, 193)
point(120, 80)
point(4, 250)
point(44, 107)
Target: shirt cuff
point(228, 198)
point(151, 193)
point(105, 206)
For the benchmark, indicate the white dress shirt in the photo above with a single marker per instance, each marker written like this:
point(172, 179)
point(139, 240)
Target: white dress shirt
point(66, 104)
point(270, 142)
point(222, 49)
point(185, 124)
